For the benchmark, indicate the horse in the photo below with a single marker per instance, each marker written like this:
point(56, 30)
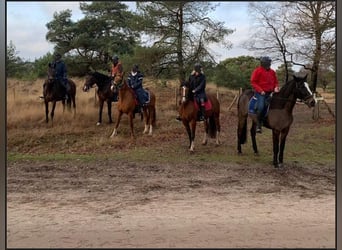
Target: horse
point(279, 117)
point(188, 112)
point(104, 93)
point(53, 92)
point(128, 103)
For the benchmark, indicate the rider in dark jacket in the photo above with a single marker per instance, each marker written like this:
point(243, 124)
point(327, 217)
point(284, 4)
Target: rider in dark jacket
point(61, 72)
point(197, 82)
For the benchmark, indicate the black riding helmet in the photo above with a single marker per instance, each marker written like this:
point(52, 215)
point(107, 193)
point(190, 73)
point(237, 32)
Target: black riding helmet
point(115, 58)
point(57, 56)
point(197, 67)
point(265, 61)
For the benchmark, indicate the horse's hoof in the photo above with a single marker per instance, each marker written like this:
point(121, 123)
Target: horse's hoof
point(256, 154)
point(98, 124)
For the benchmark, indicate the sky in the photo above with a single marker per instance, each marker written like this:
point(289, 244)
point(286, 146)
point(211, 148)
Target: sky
point(26, 26)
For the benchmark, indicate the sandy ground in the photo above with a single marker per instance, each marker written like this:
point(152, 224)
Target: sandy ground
point(119, 205)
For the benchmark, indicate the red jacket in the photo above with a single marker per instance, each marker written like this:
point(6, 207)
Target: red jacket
point(264, 80)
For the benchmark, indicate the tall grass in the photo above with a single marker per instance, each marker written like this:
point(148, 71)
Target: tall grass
point(69, 138)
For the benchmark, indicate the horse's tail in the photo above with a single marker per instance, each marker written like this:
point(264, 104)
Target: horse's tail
point(212, 129)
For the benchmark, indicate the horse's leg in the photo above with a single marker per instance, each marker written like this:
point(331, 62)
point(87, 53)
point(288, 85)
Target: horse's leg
point(283, 136)
point(205, 138)
point(193, 133)
point(53, 110)
point(100, 112)
point(218, 128)
point(74, 104)
point(188, 130)
point(130, 115)
point(151, 117)
point(109, 109)
point(275, 137)
point(253, 135)
point(146, 120)
point(63, 103)
point(241, 132)
point(46, 111)
point(115, 131)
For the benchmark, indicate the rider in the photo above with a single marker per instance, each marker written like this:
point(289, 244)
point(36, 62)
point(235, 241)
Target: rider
point(61, 72)
point(134, 81)
point(197, 81)
point(117, 70)
point(264, 81)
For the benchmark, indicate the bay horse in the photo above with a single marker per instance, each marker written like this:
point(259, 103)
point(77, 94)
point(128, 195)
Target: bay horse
point(279, 117)
point(103, 83)
point(188, 112)
point(53, 92)
point(127, 104)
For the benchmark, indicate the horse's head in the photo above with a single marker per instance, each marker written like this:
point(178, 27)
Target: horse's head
point(90, 81)
point(184, 91)
point(51, 72)
point(303, 91)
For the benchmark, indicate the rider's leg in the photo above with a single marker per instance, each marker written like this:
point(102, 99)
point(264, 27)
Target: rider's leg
point(259, 111)
point(202, 110)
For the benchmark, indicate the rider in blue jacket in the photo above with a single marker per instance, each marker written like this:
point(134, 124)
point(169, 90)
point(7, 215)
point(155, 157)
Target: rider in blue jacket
point(134, 81)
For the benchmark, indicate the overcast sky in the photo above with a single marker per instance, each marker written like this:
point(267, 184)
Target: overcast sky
point(26, 26)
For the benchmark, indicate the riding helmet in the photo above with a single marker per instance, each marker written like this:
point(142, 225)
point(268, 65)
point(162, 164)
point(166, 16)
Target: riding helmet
point(198, 67)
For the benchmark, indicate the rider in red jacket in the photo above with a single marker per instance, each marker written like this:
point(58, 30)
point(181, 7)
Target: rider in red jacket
point(264, 81)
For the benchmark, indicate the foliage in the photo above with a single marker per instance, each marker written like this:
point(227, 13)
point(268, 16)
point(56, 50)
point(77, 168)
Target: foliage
point(235, 72)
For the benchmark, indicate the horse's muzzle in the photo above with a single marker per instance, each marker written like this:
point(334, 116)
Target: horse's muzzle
point(311, 101)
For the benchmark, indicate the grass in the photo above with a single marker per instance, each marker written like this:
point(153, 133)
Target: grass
point(29, 138)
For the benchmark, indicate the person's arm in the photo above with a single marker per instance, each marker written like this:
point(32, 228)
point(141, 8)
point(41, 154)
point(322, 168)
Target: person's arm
point(255, 78)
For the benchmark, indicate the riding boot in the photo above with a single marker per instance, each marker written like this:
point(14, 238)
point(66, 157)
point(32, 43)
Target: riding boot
point(259, 123)
point(202, 113)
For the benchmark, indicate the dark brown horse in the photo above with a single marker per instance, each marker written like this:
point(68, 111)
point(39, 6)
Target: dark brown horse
point(279, 117)
point(103, 83)
point(127, 104)
point(188, 112)
point(53, 91)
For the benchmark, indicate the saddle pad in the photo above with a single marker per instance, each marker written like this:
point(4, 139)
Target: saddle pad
point(252, 107)
point(207, 105)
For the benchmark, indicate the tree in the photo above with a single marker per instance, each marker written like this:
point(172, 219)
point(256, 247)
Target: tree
point(13, 61)
point(271, 33)
point(105, 30)
point(300, 33)
point(314, 24)
point(182, 31)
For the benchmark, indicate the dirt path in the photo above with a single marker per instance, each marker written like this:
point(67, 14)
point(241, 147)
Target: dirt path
point(113, 205)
